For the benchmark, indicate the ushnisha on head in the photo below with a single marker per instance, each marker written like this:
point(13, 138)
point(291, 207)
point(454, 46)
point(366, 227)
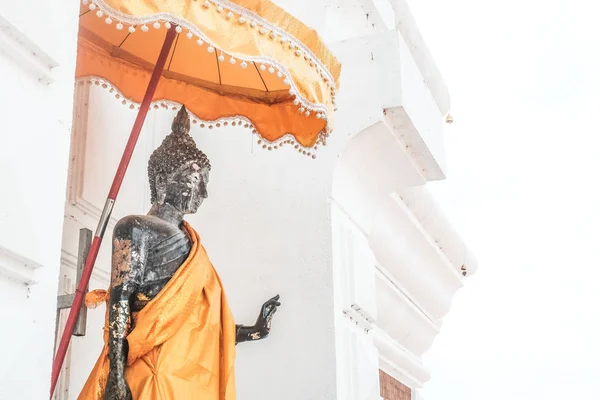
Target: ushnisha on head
point(177, 170)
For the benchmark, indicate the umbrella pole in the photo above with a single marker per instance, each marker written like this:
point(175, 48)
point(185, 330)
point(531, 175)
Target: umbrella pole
point(108, 206)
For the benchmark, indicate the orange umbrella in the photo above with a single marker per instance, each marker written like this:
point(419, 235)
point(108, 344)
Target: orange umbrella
point(248, 60)
point(245, 62)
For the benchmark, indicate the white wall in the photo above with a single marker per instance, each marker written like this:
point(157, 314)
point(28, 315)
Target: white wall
point(400, 266)
point(397, 263)
point(34, 145)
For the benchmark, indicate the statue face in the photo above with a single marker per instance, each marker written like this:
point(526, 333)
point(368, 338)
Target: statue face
point(185, 189)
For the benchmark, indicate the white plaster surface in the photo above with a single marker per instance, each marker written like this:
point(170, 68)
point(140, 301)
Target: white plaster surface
point(34, 146)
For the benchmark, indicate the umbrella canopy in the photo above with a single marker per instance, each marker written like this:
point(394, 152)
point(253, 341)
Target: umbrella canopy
point(243, 61)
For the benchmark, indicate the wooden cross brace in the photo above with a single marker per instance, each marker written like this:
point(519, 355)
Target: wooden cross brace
point(66, 300)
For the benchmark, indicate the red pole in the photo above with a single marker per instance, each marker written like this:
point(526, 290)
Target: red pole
point(112, 196)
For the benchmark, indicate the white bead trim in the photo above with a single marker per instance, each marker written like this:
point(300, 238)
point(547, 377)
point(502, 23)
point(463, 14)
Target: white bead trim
point(181, 22)
point(287, 139)
point(276, 30)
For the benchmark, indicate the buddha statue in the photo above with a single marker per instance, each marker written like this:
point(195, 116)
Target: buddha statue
point(169, 333)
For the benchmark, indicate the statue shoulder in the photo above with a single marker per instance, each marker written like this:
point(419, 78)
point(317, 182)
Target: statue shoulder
point(142, 228)
point(132, 227)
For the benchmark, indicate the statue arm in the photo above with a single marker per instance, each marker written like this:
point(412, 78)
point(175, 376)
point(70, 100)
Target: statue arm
point(262, 327)
point(246, 333)
point(127, 268)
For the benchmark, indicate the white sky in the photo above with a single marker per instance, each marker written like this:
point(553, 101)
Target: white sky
point(524, 77)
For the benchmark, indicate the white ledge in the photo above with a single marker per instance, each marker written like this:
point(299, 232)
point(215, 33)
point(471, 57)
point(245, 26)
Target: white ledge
point(443, 258)
point(17, 267)
point(401, 319)
point(398, 362)
point(401, 292)
point(374, 162)
point(433, 219)
point(28, 55)
point(395, 86)
point(429, 160)
point(408, 255)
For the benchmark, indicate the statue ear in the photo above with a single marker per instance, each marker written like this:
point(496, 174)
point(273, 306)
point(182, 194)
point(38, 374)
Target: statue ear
point(161, 188)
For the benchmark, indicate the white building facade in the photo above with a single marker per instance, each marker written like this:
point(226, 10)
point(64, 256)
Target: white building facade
point(364, 260)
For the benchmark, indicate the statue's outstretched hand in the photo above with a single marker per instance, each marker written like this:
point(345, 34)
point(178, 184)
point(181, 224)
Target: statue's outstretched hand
point(263, 323)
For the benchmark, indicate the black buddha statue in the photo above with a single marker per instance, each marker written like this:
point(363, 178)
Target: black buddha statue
point(148, 253)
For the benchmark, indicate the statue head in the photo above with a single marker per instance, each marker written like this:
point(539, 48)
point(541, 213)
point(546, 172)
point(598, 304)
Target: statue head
point(177, 170)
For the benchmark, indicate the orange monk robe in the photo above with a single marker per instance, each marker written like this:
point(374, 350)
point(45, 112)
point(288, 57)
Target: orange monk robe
point(183, 342)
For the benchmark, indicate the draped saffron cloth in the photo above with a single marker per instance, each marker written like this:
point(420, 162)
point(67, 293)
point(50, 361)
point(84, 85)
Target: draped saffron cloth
point(182, 345)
